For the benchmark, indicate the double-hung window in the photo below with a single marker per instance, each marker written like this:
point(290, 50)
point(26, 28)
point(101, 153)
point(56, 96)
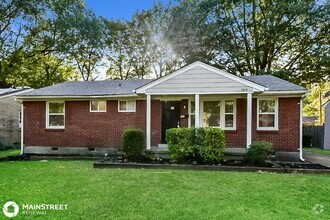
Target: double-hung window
point(98, 106)
point(267, 114)
point(216, 113)
point(55, 114)
point(126, 106)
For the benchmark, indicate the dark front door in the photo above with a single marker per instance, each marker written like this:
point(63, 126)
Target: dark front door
point(170, 117)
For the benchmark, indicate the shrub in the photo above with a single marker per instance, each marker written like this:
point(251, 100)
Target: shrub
point(196, 145)
point(258, 152)
point(133, 143)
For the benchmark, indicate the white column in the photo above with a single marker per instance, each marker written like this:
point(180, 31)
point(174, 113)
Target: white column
point(249, 120)
point(197, 110)
point(148, 130)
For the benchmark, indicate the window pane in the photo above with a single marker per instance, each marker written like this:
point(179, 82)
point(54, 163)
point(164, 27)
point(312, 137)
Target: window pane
point(229, 121)
point(94, 105)
point(56, 120)
point(266, 120)
point(211, 116)
point(102, 105)
point(229, 107)
point(192, 107)
point(56, 107)
point(122, 105)
point(266, 106)
point(192, 121)
point(130, 105)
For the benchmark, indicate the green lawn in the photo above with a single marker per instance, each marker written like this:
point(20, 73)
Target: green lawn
point(10, 152)
point(316, 150)
point(161, 194)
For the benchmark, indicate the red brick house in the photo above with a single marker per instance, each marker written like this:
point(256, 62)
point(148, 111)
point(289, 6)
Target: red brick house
point(90, 117)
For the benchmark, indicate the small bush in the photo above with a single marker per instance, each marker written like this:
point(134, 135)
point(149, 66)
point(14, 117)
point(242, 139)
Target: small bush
point(133, 143)
point(258, 152)
point(196, 145)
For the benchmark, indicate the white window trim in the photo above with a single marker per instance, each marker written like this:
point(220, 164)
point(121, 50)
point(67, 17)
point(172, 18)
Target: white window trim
point(126, 100)
point(47, 115)
point(275, 128)
point(98, 106)
point(222, 112)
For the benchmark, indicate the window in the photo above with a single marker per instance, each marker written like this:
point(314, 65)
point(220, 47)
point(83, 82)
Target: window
point(211, 114)
point(229, 114)
point(98, 106)
point(192, 114)
point(126, 106)
point(267, 114)
point(55, 114)
point(216, 113)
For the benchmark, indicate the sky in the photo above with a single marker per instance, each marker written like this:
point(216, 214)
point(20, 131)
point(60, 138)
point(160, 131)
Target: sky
point(119, 9)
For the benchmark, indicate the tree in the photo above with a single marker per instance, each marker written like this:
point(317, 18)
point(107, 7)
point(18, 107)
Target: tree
point(87, 53)
point(16, 19)
point(315, 99)
point(118, 50)
point(253, 37)
point(39, 71)
point(63, 30)
point(138, 48)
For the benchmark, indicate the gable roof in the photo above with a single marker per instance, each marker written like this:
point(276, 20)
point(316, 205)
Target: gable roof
point(114, 88)
point(89, 88)
point(274, 84)
point(212, 69)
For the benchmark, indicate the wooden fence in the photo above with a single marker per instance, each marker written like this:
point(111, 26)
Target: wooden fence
point(313, 136)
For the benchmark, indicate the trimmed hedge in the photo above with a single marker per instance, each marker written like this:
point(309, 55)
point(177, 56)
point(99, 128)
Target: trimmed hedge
point(196, 145)
point(258, 152)
point(133, 143)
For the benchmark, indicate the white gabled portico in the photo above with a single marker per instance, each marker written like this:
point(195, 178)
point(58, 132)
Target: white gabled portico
point(200, 82)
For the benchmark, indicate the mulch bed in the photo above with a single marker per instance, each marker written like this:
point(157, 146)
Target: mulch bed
point(277, 167)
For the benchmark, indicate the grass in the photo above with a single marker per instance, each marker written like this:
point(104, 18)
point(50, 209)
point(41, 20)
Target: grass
point(316, 150)
point(10, 152)
point(161, 194)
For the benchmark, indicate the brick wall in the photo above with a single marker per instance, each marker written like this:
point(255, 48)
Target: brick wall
point(104, 129)
point(87, 129)
point(9, 128)
point(287, 136)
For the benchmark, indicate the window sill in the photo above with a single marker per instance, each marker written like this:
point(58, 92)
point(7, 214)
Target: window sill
point(267, 130)
point(127, 111)
point(55, 129)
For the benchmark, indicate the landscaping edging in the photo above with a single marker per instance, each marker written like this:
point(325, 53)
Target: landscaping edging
point(208, 168)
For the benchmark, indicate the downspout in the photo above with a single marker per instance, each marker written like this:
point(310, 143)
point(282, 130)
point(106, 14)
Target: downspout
point(301, 130)
point(22, 128)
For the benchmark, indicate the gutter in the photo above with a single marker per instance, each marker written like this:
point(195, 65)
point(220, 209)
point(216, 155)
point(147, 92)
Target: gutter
point(22, 128)
point(301, 130)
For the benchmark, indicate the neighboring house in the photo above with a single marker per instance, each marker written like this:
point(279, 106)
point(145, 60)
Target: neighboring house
point(9, 115)
point(326, 143)
point(309, 120)
point(77, 117)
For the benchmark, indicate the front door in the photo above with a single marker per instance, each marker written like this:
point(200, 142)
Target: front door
point(170, 117)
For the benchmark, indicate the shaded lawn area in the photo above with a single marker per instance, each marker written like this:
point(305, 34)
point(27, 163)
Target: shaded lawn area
point(316, 150)
point(10, 152)
point(161, 194)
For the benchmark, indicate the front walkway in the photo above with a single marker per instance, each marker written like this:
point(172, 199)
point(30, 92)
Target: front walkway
point(317, 158)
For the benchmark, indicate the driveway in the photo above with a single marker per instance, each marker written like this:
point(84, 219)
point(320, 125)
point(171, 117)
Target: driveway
point(317, 158)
